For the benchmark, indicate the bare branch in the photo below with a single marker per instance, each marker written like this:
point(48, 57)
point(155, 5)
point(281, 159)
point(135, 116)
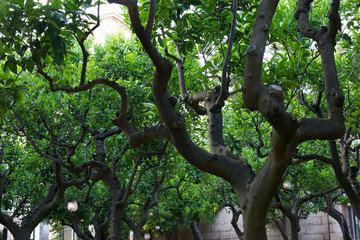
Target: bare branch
point(136, 138)
point(192, 100)
point(83, 49)
point(152, 13)
point(129, 190)
point(333, 127)
point(315, 108)
point(33, 144)
point(302, 15)
point(317, 194)
point(310, 157)
point(224, 78)
point(281, 229)
point(75, 224)
point(180, 62)
point(261, 142)
point(118, 157)
point(293, 93)
point(334, 19)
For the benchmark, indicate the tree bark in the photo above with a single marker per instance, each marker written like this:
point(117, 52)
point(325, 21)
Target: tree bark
point(137, 234)
point(5, 233)
point(339, 217)
point(282, 228)
point(196, 232)
point(295, 228)
point(254, 226)
point(23, 234)
point(116, 220)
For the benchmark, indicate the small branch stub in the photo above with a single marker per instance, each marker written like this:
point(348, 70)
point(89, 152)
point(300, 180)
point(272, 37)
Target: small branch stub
point(275, 91)
point(275, 87)
point(251, 49)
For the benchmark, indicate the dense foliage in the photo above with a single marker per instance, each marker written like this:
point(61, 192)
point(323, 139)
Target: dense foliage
point(255, 93)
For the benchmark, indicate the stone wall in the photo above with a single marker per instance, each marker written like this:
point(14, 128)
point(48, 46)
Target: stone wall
point(316, 227)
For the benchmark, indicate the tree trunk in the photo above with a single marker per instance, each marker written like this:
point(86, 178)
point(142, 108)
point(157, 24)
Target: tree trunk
point(116, 221)
point(22, 235)
point(282, 228)
point(5, 233)
point(137, 234)
point(234, 222)
point(254, 227)
point(258, 195)
point(101, 236)
point(340, 218)
point(295, 228)
point(196, 232)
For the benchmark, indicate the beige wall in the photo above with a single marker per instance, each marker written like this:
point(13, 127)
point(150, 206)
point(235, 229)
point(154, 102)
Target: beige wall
point(111, 22)
point(316, 227)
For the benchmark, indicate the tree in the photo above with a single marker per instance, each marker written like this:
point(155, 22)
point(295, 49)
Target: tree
point(234, 207)
point(254, 191)
point(185, 205)
point(31, 186)
point(29, 192)
point(171, 35)
point(338, 216)
point(91, 219)
point(305, 195)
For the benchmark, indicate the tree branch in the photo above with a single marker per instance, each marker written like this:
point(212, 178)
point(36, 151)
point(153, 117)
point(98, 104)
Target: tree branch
point(129, 190)
point(150, 21)
point(192, 100)
point(302, 15)
point(334, 19)
point(83, 49)
point(309, 157)
point(333, 127)
point(224, 93)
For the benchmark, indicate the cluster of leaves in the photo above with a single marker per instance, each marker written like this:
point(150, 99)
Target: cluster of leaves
point(25, 176)
point(195, 200)
point(45, 30)
point(34, 34)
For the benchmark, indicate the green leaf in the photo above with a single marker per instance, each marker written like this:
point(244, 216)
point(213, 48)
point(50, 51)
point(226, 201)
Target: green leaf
point(56, 3)
point(59, 58)
point(53, 24)
point(57, 43)
point(93, 17)
point(161, 42)
point(39, 84)
point(149, 105)
point(10, 64)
